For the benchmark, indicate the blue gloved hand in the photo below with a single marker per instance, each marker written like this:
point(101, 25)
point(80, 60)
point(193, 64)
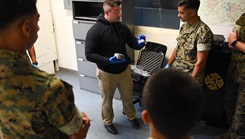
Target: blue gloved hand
point(141, 40)
point(114, 60)
point(167, 66)
point(36, 66)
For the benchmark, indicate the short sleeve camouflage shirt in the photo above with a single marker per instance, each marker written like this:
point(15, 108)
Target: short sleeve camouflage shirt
point(34, 104)
point(191, 39)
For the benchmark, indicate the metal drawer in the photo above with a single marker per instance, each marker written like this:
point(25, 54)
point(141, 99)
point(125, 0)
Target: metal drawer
point(86, 68)
point(92, 84)
point(87, 83)
point(80, 28)
point(80, 49)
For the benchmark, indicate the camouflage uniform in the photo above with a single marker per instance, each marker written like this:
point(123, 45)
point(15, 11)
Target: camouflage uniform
point(34, 104)
point(235, 88)
point(192, 38)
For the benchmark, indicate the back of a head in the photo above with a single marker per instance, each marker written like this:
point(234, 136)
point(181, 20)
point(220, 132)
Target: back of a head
point(11, 10)
point(190, 4)
point(174, 102)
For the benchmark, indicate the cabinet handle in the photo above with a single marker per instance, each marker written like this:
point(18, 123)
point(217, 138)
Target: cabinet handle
point(78, 42)
point(75, 22)
point(83, 21)
point(81, 75)
point(80, 59)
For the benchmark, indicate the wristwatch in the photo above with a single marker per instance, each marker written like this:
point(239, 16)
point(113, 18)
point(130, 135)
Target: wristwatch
point(234, 43)
point(35, 63)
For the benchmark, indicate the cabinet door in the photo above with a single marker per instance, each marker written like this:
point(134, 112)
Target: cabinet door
point(45, 46)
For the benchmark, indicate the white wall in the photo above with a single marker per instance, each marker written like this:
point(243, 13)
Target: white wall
point(159, 35)
point(64, 37)
point(221, 30)
point(65, 41)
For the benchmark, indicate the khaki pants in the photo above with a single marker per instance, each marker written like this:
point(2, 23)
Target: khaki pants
point(108, 84)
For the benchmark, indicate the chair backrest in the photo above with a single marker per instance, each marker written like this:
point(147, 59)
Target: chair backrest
point(152, 56)
point(156, 47)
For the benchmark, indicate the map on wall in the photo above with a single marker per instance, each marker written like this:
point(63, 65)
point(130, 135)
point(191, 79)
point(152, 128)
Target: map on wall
point(221, 12)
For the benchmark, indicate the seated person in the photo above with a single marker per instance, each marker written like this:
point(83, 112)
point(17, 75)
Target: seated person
point(173, 101)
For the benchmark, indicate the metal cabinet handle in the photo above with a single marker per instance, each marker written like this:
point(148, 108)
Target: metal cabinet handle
point(80, 42)
point(83, 21)
point(80, 59)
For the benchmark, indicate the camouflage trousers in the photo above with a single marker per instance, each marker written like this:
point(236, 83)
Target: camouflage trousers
point(234, 99)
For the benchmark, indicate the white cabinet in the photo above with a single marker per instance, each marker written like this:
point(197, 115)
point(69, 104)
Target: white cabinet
point(45, 45)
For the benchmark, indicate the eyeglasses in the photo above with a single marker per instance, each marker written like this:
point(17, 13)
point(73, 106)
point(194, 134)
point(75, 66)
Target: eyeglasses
point(117, 12)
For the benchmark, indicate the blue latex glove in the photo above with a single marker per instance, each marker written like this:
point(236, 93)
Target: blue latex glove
point(141, 40)
point(114, 60)
point(36, 66)
point(167, 66)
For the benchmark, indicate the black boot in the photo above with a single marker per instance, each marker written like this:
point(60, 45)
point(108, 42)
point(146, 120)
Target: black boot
point(111, 129)
point(135, 123)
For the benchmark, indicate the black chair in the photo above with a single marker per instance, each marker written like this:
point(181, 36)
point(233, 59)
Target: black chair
point(150, 58)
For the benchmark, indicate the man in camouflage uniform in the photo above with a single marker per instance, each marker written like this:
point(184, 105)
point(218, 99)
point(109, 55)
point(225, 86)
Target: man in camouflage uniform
point(235, 84)
point(194, 40)
point(33, 104)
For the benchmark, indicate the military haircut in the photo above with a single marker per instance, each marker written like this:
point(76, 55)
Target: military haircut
point(11, 10)
point(190, 4)
point(113, 3)
point(109, 4)
point(174, 101)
